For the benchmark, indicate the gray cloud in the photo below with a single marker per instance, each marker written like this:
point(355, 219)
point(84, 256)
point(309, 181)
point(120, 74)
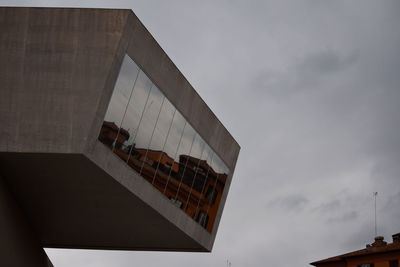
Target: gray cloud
point(292, 202)
point(326, 62)
point(348, 216)
point(329, 206)
point(312, 71)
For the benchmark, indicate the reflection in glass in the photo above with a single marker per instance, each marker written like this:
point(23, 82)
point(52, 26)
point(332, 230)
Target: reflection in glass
point(143, 133)
point(196, 180)
point(185, 149)
point(203, 203)
point(177, 131)
point(122, 91)
point(144, 129)
point(110, 133)
point(161, 159)
point(136, 111)
point(188, 162)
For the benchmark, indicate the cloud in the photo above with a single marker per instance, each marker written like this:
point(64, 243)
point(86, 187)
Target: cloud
point(329, 206)
point(348, 216)
point(311, 71)
point(294, 202)
point(325, 62)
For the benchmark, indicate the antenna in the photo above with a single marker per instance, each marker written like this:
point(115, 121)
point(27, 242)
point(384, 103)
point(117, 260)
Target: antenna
point(376, 231)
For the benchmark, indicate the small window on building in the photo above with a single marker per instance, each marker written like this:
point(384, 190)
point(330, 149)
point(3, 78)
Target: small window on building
point(394, 263)
point(202, 219)
point(168, 165)
point(211, 194)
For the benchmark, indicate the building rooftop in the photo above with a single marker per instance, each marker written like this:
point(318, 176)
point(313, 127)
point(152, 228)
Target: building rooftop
point(377, 247)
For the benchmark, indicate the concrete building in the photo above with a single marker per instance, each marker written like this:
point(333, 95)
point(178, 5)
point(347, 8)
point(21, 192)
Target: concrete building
point(377, 254)
point(103, 142)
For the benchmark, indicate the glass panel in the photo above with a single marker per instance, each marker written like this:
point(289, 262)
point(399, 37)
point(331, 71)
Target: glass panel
point(187, 169)
point(219, 166)
point(194, 175)
point(209, 176)
point(198, 147)
point(156, 153)
point(201, 170)
point(134, 114)
point(158, 137)
point(163, 126)
point(215, 190)
point(144, 132)
point(213, 197)
point(118, 104)
point(180, 159)
point(170, 166)
point(183, 155)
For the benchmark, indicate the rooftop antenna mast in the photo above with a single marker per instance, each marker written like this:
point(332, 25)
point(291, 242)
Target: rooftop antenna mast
point(376, 228)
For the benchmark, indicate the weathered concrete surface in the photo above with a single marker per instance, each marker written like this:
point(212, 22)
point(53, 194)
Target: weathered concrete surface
point(19, 246)
point(55, 63)
point(61, 68)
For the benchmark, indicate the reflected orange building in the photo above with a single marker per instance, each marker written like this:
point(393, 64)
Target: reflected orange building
point(110, 133)
point(377, 254)
point(191, 184)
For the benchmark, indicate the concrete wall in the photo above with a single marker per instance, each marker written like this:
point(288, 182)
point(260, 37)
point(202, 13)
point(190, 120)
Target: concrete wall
point(55, 64)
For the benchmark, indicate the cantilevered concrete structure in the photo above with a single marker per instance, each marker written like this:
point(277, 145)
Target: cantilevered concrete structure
point(103, 142)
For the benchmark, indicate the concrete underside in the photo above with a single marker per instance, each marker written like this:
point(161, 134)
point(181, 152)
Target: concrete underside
point(71, 202)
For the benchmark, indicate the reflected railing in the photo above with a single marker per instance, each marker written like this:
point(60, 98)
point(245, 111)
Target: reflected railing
point(146, 131)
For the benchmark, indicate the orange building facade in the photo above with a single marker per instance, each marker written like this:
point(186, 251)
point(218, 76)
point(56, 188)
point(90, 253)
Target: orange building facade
point(377, 254)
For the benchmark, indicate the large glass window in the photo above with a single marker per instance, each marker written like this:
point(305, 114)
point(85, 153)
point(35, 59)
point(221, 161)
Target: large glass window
point(146, 131)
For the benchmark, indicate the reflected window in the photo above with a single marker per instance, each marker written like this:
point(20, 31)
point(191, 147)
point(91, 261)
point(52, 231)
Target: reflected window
point(211, 194)
point(147, 132)
point(202, 219)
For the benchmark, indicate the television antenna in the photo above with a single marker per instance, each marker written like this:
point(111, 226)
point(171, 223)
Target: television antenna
point(376, 228)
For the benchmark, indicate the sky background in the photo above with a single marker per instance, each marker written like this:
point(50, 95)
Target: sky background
point(310, 90)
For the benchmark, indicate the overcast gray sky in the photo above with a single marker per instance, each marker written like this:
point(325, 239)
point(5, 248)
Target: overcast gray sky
point(311, 92)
